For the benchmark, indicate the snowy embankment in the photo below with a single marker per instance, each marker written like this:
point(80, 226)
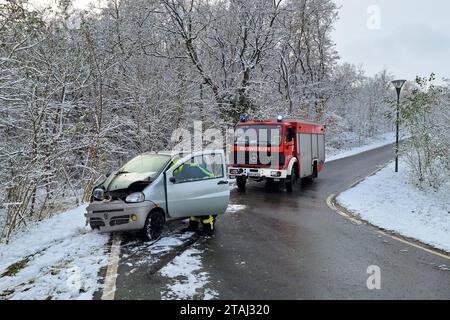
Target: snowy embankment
point(372, 143)
point(389, 200)
point(58, 258)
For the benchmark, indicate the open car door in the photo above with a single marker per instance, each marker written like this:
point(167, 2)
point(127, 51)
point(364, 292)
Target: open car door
point(197, 185)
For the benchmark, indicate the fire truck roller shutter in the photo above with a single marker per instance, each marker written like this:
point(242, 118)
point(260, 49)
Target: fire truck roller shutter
point(315, 147)
point(305, 148)
point(321, 148)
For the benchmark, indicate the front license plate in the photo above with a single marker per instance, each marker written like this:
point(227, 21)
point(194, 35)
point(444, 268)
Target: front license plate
point(254, 174)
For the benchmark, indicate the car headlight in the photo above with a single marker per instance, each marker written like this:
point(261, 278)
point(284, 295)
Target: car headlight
point(99, 194)
point(135, 197)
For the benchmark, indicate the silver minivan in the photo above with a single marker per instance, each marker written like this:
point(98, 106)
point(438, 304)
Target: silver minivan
point(153, 188)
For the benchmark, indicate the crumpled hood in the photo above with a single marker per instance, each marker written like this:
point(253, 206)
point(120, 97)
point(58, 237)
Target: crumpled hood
point(124, 180)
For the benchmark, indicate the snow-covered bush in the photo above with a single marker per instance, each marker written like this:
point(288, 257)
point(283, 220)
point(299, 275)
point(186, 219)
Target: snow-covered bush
point(426, 117)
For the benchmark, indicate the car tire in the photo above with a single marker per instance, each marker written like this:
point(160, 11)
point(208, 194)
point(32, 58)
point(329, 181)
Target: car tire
point(154, 225)
point(241, 181)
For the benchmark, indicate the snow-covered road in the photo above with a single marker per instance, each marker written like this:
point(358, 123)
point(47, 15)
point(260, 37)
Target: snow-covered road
point(372, 143)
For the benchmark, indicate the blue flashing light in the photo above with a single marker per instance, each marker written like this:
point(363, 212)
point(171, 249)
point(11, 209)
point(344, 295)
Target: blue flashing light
point(280, 118)
point(244, 118)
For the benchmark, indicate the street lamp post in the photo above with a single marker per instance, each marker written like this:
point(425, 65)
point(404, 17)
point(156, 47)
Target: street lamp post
point(398, 84)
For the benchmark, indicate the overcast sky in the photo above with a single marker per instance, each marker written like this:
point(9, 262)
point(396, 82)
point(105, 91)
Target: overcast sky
point(412, 37)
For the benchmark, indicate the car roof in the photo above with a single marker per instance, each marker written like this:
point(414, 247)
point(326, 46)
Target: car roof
point(163, 153)
point(173, 153)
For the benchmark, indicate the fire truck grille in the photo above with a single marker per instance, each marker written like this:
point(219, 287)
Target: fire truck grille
point(255, 158)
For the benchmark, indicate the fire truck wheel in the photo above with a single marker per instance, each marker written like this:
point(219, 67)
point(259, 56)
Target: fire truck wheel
point(241, 181)
point(315, 170)
point(290, 180)
point(270, 184)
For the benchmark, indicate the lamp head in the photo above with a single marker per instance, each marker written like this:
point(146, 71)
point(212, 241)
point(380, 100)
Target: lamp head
point(398, 84)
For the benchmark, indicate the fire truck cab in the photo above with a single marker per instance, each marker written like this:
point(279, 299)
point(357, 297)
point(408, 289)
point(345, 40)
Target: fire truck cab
point(281, 150)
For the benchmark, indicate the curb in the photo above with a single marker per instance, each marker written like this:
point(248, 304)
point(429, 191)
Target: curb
point(334, 205)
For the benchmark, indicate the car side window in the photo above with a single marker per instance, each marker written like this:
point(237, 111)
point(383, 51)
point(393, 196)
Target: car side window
point(203, 167)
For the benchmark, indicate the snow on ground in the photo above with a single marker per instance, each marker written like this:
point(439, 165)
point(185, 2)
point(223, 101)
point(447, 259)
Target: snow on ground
point(58, 258)
point(150, 252)
point(372, 143)
point(183, 271)
point(233, 208)
point(390, 201)
point(189, 281)
point(232, 184)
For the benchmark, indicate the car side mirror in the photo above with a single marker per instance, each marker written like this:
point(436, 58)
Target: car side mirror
point(172, 179)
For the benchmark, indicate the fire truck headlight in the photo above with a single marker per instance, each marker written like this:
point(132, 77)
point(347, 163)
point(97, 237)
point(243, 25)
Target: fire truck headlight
point(275, 174)
point(236, 171)
point(280, 118)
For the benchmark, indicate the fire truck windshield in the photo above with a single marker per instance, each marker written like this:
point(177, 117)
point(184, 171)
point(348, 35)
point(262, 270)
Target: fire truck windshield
point(258, 135)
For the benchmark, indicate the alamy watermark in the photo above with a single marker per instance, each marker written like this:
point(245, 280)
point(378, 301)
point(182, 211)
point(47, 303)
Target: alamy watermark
point(374, 280)
point(373, 17)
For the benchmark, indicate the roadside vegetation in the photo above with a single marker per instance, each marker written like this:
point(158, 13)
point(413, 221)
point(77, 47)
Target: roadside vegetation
point(426, 119)
point(415, 201)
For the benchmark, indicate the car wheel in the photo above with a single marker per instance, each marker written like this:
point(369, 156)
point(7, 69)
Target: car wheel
point(154, 225)
point(241, 181)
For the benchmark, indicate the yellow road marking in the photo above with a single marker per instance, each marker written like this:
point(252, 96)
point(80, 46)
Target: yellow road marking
point(330, 204)
point(111, 272)
point(414, 245)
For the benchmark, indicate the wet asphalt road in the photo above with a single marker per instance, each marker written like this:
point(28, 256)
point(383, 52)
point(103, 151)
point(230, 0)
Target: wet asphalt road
point(292, 246)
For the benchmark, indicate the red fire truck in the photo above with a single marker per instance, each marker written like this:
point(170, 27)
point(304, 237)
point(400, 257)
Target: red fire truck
point(281, 150)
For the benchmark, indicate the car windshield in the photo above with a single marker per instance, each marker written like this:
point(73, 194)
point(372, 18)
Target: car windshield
point(151, 163)
point(258, 135)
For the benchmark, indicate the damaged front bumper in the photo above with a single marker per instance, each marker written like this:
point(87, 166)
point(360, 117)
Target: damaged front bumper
point(117, 215)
